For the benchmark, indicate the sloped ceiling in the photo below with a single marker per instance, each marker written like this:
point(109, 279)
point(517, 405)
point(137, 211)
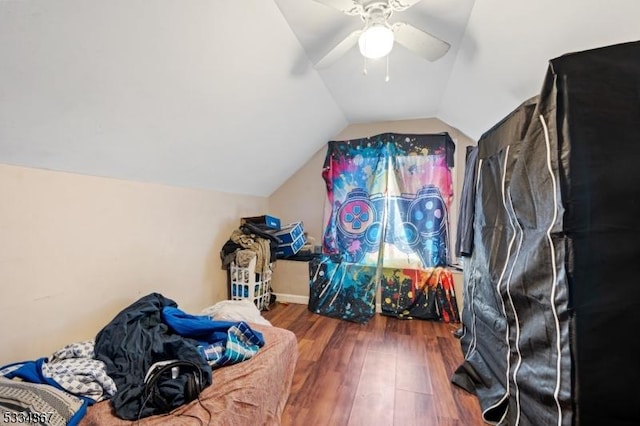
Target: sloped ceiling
point(415, 87)
point(222, 94)
point(194, 93)
point(503, 57)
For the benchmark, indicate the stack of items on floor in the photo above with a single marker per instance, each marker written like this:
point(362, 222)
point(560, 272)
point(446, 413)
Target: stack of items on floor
point(250, 254)
point(252, 241)
point(151, 358)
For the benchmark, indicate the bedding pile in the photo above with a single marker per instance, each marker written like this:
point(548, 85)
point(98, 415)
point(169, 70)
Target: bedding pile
point(235, 310)
point(116, 367)
point(254, 392)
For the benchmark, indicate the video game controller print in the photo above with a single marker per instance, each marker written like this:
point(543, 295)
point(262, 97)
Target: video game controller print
point(416, 224)
point(359, 225)
point(428, 213)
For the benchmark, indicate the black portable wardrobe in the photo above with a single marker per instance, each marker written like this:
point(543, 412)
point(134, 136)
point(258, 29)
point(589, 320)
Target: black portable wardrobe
point(552, 295)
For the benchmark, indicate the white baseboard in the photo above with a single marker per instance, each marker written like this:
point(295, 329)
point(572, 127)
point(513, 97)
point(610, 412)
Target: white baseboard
point(292, 298)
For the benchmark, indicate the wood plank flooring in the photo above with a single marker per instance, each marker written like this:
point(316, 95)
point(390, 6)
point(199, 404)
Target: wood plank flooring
point(386, 372)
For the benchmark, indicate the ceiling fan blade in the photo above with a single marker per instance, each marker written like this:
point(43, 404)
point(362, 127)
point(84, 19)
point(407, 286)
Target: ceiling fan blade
point(400, 5)
point(419, 42)
point(350, 7)
point(340, 49)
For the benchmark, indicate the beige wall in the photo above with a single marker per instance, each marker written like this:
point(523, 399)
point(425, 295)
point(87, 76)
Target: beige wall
point(302, 196)
point(75, 250)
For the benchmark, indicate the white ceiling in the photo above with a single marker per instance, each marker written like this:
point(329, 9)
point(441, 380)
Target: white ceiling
point(415, 87)
point(222, 94)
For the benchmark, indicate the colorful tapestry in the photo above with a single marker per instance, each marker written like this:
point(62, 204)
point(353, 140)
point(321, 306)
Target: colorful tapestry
point(419, 293)
point(387, 206)
point(342, 290)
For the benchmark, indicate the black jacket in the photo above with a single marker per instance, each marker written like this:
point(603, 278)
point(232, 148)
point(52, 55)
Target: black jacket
point(133, 341)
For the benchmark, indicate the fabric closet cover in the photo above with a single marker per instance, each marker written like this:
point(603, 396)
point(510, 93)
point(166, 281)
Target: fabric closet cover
point(551, 282)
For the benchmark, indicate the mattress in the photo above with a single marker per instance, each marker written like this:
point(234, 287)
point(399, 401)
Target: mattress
point(253, 392)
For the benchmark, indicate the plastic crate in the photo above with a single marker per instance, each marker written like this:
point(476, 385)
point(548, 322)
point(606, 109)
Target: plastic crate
point(247, 285)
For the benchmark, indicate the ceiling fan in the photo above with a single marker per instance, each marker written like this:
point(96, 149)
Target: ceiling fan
point(377, 37)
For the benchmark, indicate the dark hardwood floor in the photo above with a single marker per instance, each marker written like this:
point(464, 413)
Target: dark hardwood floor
point(386, 372)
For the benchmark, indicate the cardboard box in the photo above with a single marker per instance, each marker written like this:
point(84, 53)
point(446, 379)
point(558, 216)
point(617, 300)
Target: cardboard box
point(286, 250)
point(264, 222)
point(288, 233)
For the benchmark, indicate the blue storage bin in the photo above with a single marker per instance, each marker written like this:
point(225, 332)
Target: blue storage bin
point(289, 233)
point(286, 250)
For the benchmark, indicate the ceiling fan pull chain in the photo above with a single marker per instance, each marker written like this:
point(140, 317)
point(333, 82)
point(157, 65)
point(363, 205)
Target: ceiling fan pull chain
point(386, 77)
point(364, 66)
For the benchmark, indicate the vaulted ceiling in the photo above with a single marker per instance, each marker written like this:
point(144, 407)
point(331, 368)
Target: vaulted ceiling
point(415, 87)
point(223, 94)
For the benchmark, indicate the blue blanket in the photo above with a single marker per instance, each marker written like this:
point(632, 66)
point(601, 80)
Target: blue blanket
point(221, 342)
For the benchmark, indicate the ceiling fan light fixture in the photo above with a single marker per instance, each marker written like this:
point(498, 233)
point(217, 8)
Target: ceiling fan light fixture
point(376, 42)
